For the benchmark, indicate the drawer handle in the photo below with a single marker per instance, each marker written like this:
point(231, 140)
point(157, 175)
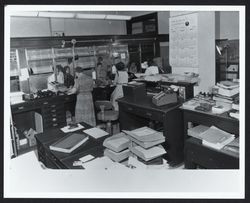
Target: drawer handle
point(130, 109)
point(149, 114)
point(55, 124)
point(45, 103)
point(54, 119)
point(20, 107)
point(53, 105)
point(53, 115)
point(53, 111)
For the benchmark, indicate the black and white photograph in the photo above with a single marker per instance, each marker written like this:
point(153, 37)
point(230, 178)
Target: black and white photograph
point(135, 101)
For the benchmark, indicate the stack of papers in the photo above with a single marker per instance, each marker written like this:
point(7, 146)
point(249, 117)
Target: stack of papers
point(148, 154)
point(145, 134)
point(216, 138)
point(68, 128)
point(117, 156)
point(117, 142)
point(96, 132)
point(117, 147)
point(197, 131)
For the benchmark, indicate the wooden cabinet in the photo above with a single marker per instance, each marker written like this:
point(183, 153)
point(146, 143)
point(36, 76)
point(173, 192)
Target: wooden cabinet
point(227, 60)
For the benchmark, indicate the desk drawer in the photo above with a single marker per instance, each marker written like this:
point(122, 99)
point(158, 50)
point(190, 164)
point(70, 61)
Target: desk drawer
point(145, 113)
point(56, 119)
point(20, 108)
point(54, 160)
point(54, 124)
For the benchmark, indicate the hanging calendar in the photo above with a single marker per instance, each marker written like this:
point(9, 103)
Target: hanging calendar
point(183, 45)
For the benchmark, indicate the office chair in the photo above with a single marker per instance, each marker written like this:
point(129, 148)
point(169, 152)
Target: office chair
point(107, 114)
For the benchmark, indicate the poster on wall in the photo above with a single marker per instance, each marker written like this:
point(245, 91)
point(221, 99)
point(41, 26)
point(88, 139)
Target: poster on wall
point(183, 45)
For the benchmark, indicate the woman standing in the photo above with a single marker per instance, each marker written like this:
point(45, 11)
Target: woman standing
point(84, 110)
point(121, 78)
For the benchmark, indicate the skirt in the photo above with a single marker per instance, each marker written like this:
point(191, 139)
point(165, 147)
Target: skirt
point(84, 111)
point(116, 94)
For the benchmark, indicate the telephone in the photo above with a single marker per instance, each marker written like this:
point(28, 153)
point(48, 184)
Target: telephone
point(163, 98)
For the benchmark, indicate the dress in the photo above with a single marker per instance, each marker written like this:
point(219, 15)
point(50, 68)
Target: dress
point(84, 111)
point(121, 77)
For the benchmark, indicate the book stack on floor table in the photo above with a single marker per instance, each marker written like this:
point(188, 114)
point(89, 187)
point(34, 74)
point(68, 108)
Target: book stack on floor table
point(117, 147)
point(145, 145)
point(226, 93)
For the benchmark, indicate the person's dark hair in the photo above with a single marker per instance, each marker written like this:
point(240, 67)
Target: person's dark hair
point(59, 68)
point(151, 62)
point(70, 60)
point(65, 68)
point(79, 69)
point(100, 59)
point(120, 66)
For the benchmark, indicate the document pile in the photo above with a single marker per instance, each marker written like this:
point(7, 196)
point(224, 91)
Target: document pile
point(117, 147)
point(235, 110)
point(197, 131)
point(216, 138)
point(145, 144)
point(226, 92)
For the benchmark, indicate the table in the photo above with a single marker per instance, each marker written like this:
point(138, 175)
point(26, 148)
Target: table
point(197, 154)
point(135, 114)
point(59, 160)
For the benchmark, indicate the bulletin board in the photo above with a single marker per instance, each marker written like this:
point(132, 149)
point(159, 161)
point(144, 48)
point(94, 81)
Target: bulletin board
point(183, 42)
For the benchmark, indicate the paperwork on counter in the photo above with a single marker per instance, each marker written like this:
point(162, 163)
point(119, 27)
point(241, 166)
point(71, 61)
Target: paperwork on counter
point(69, 128)
point(95, 132)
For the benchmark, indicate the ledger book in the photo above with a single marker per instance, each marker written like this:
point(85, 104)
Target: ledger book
point(69, 143)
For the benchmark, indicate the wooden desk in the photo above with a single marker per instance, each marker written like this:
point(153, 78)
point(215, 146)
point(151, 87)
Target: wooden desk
point(137, 114)
point(189, 87)
point(198, 155)
point(59, 160)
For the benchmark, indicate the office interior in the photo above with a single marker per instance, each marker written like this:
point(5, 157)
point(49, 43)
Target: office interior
point(146, 89)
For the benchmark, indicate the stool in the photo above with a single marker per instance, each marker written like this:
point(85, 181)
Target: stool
point(107, 114)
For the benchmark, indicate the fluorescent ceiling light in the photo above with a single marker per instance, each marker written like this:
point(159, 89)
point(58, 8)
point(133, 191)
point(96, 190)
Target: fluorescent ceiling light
point(90, 16)
point(117, 17)
point(56, 15)
point(26, 13)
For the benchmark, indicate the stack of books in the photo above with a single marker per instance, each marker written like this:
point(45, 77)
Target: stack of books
point(226, 93)
point(146, 145)
point(117, 147)
point(235, 110)
point(216, 138)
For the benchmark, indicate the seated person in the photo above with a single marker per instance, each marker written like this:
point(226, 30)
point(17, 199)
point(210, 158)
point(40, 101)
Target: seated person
point(101, 75)
point(152, 69)
point(132, 70)
point(68, 78)
point(56, 76)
